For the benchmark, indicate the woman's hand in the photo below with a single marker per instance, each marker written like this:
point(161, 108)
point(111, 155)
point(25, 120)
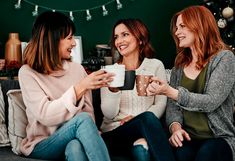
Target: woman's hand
point(126, 119)
point(160, 87)
point(157, 87)
point(94, 80)
point(178, 135)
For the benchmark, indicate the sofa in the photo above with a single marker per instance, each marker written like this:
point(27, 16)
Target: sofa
point(9, 116)
point(11, 112)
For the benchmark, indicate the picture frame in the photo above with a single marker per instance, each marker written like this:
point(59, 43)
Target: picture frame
point(77, 51)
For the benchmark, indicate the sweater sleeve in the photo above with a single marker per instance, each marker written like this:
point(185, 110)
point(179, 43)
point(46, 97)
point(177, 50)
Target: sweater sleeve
point(46, 110)
point(158, 108)
point(110, 102)
point(173, 112)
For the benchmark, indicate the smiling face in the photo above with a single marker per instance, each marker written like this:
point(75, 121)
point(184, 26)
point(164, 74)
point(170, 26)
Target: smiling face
point(184, 34)
point(125, 42)
point(66, 45)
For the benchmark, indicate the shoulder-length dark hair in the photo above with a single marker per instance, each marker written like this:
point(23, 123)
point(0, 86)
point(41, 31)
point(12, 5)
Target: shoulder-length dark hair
point(42, 52)
point(208, 41)
point(140, 32)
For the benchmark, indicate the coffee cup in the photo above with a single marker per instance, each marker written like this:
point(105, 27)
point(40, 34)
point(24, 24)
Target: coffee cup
point(129, 82)
point(118, 78)
point(142, 82)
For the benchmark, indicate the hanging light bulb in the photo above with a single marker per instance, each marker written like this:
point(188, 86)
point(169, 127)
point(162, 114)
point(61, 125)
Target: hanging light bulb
point(119, 5)
point(71, 15)
point(35, 12)
point(18, 4)
point(88, 15)
point(105, 12)
point(53, 10)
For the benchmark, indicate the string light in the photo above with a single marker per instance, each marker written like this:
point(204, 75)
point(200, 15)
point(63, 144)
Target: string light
point(88, 15)
point(35, 12)
point(71, 12)
point(105, 12)
point(71, 15)
point(119, 5)
point(18, 4)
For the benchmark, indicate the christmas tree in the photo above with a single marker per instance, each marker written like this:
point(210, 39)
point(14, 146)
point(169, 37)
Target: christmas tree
point(223, 10)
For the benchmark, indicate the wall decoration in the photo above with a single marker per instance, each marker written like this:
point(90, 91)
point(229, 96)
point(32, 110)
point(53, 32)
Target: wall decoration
point(223, 11)
point(102, 8)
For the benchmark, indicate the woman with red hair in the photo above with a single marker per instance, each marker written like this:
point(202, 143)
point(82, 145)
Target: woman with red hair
point(201, 94)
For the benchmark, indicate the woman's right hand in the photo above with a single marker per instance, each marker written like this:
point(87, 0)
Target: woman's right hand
point(178, 136)
point(94, 80)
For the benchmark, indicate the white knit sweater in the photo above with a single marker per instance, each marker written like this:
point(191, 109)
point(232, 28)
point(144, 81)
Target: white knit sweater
point(116, 106)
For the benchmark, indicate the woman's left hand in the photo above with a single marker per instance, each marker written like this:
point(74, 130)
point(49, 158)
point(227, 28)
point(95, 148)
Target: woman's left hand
point(126, 119)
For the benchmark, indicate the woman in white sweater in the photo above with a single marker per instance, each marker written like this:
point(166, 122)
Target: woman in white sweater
point(131, 123)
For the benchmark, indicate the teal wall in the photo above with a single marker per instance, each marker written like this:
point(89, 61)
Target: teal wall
point(156, 14)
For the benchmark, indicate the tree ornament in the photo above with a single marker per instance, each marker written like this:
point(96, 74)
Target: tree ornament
point(222, 23)
point(227, 12)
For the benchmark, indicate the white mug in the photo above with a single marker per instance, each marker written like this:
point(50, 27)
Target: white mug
point(119, 77)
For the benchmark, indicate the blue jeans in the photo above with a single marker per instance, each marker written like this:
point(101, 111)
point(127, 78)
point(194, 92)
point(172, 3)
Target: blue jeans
point(216, 149)
point(139, 153)
point(77, 139)
point(146, 125)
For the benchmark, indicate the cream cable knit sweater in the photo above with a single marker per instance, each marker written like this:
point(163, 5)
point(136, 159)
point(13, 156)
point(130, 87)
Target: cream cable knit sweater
point(116, 106)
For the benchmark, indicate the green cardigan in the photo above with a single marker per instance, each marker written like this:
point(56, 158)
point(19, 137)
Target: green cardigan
point(217, 99)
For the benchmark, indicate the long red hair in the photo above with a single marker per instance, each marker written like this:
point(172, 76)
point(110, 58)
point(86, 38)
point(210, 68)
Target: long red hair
point(208, 41)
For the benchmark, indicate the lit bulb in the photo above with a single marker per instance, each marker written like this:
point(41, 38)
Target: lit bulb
point(18, 4)
point(119, 5)
point(105, 12)
point(35, 12)
point(88, 15)
point(71, 15)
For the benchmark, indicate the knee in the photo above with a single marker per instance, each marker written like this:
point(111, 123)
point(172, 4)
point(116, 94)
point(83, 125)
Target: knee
point(84, 116)
point(140, 150)
point(84, 119)
point(150, 118)
point(73, 147)
point(141, 142)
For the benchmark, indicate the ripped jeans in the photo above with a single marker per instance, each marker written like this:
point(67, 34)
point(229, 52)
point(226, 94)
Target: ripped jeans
point(146, 125)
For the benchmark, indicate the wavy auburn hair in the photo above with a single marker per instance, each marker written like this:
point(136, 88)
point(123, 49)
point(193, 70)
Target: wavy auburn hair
point(140, 32)
point(208, 41)
point(42, 52)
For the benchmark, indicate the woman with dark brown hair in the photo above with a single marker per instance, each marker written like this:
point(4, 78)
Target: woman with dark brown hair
point(57, 95)
point(201, 94)
point(131, 123)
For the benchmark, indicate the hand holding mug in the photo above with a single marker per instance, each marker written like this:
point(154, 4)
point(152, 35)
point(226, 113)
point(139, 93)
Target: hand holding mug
point(96, 80)
point(157, 87)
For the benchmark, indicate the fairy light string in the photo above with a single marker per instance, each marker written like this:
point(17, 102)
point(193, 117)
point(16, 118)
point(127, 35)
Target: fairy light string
point(88, 17)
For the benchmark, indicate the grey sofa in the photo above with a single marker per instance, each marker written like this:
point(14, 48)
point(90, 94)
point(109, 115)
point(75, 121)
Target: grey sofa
point(6, 153)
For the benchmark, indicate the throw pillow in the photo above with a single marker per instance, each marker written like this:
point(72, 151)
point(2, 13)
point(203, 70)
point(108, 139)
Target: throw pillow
point(4, 140)
point(17, 120)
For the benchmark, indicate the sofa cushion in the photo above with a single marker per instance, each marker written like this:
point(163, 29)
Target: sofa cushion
point(4, 140)
point(17, 120)
point(6, 86)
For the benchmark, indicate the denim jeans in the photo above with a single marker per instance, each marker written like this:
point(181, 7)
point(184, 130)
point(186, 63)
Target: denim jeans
point(77, 139)
point(146, 125)
point(140, 153)
point(216, 149)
